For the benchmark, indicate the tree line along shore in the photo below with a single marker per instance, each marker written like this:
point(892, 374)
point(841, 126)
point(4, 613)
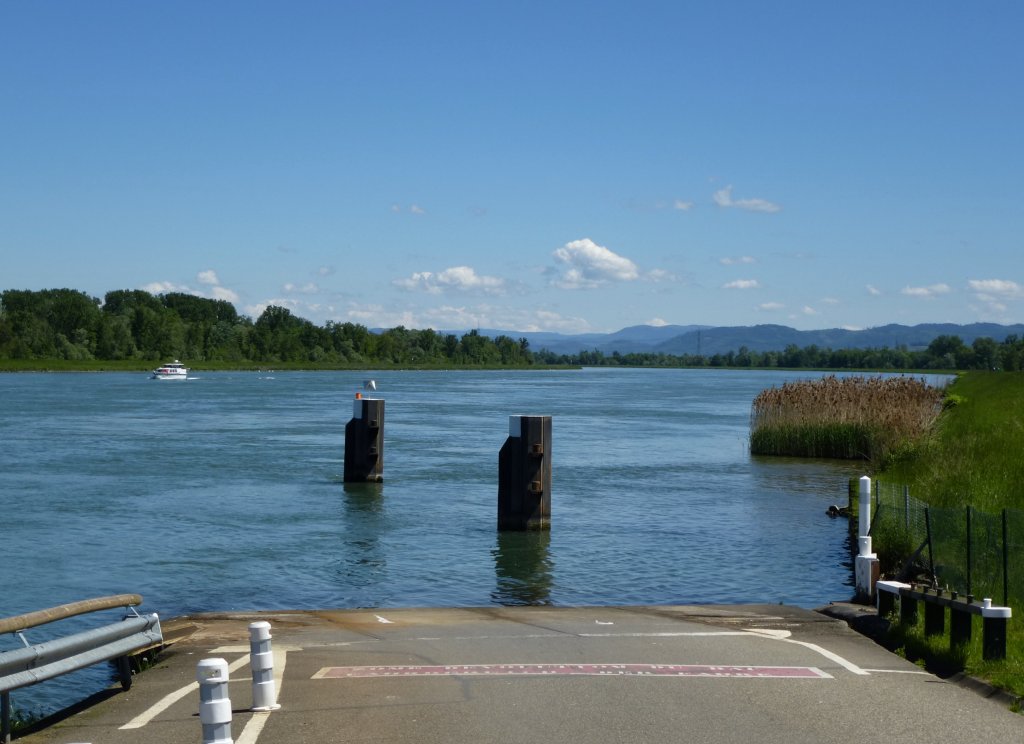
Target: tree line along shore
point(129, 329)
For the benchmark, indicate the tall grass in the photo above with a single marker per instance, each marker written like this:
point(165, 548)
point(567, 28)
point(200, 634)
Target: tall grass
point(976, 455)
point(850, 417)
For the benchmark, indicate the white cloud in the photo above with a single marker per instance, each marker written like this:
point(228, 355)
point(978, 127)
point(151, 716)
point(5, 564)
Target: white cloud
point(873, 291)
point(830, 300)
point(325, 271)
point(162, 287)
point(659, 275)
point(456, 278)
point(733, 260)
point(742, 284)
point(770, 306)
point(926, 292)
point(223, 293)
point(308, 288)
point(991, 288)
point(682, 206)
point(590, 265)
point(657, 322)
point(450, 317)
point(723, 198)
point(413, 209)
point(808, 310)
point(208, 278)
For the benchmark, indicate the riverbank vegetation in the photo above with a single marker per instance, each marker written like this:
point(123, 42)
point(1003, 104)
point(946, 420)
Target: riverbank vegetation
point(131, 329)
point(971, 457)
point(953, 448)
point(850, 418)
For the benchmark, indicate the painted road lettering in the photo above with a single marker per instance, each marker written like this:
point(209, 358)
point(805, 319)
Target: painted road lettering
point(590, 670)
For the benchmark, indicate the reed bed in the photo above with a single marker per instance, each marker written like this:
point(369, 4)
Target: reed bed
point(849, 417)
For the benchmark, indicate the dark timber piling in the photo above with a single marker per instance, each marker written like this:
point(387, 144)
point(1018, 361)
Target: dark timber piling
point(364, 441)
point(524, 475)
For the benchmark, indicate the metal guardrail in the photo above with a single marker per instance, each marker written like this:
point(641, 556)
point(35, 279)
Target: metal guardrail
point(936, 602)
point(38, 662)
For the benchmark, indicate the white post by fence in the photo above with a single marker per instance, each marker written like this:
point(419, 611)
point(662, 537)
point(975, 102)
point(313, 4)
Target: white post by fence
point(261, 659)
point(864, 504)
point(866, 563)
point(214, 703)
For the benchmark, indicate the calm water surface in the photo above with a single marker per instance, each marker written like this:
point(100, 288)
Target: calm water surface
point(224, 493)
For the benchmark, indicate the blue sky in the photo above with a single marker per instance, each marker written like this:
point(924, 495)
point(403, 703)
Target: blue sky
point(568, 167)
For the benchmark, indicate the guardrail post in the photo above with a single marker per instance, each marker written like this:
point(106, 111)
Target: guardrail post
point(261, 660)
point(993, 630)
point(908, 609)
point(959, 624)
point(934, 619)
point(214, 703)
point(5, 717)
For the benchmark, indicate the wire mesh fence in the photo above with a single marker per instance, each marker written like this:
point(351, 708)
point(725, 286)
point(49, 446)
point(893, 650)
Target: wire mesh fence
point(961, 549)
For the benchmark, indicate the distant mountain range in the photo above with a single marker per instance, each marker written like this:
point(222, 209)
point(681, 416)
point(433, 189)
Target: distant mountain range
point(708, 340)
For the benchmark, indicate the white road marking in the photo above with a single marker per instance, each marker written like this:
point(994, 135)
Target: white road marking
point(845, 663)
point(254, 727)
point(170, 699)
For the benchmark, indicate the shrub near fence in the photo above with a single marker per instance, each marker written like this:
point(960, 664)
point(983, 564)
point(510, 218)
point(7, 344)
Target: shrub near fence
point(965, 550)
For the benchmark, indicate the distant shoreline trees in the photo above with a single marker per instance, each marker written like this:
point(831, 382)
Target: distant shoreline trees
point(69, 325)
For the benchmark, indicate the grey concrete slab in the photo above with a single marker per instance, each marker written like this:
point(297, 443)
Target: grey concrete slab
point(523, 674)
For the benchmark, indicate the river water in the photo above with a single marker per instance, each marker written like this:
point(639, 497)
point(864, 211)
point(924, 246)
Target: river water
point(225, 492)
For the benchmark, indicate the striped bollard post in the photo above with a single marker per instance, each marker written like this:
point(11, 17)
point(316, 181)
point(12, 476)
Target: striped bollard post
point(261, 659)
point(214, 703)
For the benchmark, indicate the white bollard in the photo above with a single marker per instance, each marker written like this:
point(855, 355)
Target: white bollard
point(864, 503)
point(214, 703)
point(865, 565)
point(261, 659)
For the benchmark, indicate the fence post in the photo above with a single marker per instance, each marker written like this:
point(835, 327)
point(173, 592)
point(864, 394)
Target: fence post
point(1006, 562)
point(906, 507)
point(928, 531)
point(970, 584)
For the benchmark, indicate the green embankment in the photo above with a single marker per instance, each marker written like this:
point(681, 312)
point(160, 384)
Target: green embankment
point(974, 456)
point(976, 453)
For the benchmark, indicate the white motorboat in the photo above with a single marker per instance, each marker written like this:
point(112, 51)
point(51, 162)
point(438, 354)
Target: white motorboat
point(171, 371)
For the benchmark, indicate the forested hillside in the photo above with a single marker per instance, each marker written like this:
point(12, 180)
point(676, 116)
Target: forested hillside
point(69, 325)
point(133, 324)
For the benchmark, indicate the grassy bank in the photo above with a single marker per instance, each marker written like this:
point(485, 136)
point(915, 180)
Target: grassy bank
point(972, 456)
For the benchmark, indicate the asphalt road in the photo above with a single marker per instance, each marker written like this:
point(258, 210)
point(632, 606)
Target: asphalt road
point(765, 674)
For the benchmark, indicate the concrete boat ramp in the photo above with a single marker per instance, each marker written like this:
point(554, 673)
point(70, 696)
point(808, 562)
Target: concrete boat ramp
point(759, 673)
